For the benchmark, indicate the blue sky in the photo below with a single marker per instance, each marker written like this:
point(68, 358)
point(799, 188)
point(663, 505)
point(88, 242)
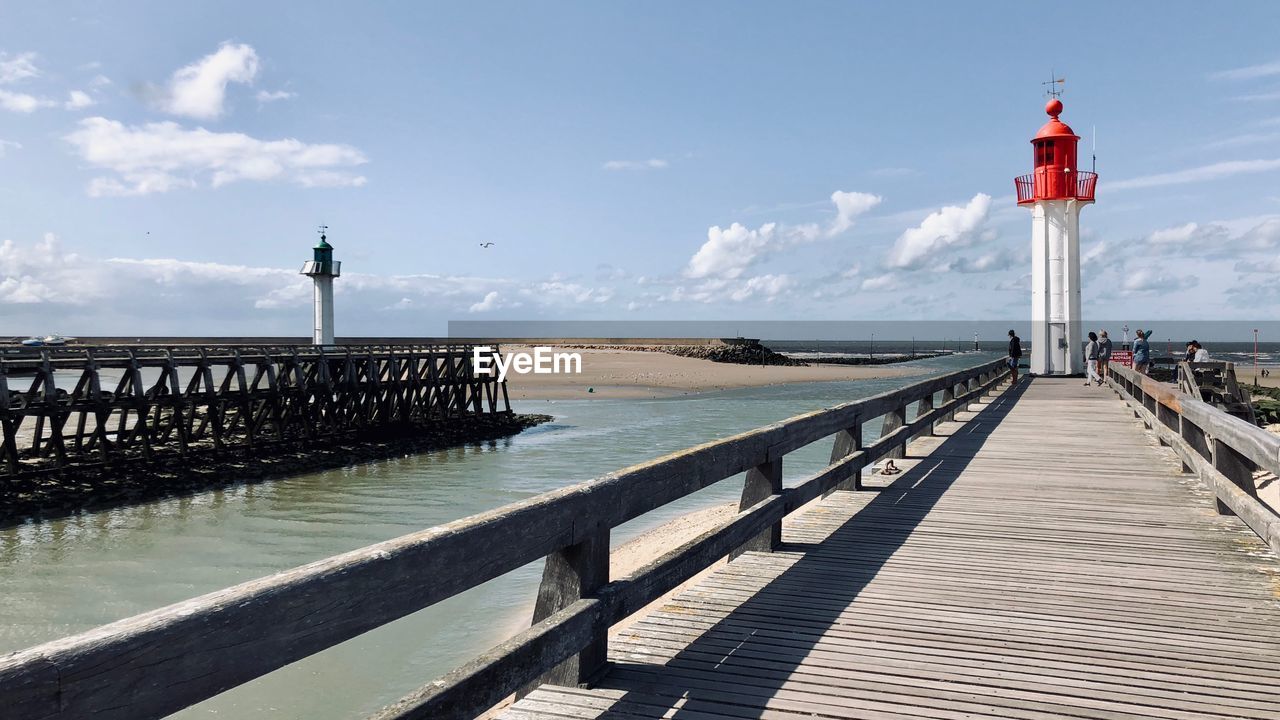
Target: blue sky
point(164, 164)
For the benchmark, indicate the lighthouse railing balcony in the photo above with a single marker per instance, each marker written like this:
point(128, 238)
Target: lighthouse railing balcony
point(1082, 182)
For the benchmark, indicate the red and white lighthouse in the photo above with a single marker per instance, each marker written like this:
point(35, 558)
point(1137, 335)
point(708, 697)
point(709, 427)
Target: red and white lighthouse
point(1055, 192)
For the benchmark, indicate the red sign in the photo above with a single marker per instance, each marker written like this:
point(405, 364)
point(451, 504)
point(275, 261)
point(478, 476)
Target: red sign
point(1122, 357)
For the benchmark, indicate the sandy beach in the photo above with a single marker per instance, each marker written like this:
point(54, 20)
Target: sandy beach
point(621, 373)
point(1245, 375)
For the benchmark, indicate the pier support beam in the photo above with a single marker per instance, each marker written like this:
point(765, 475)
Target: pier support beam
point(847, 442)
point(569, 575)
point(762, 481)
point(1236, 467)
point(892, 421)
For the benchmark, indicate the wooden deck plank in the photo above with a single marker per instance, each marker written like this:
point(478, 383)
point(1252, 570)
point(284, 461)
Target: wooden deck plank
point(1043, 558)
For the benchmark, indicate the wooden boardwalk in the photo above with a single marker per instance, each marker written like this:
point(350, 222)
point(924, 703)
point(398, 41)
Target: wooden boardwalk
point(1044, 559)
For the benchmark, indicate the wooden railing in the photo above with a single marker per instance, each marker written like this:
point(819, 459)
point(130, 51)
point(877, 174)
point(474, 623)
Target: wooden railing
point(159, 662)
point(1224, 451)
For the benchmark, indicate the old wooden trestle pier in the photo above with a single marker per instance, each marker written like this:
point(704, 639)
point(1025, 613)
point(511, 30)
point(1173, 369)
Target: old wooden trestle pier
point(83, 407)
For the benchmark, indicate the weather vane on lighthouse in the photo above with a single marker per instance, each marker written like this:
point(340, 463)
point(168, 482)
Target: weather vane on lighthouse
point(322, 269)
point(1055, 192)
point(1052, 85)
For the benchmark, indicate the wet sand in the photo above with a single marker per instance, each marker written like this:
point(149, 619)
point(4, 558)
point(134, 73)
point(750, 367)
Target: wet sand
point(619, 373)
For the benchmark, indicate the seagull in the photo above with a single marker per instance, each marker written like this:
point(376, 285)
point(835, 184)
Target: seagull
point(485, 245)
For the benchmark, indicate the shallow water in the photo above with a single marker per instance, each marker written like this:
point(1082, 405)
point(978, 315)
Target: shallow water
point(64, 576)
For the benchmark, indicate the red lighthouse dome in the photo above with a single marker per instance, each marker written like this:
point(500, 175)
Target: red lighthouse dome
point(1055, 175)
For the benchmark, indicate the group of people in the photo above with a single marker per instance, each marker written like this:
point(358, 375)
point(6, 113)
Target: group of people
point(1097, 354)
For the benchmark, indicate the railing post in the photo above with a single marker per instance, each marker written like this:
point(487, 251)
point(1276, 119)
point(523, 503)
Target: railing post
point(762, 481)
point(846, 443)
point(924, 407)
point(1167, 417)
point(1236, 467)
point(569, 575)
point(1193, 436)
point(892, 421)
point(948, 395)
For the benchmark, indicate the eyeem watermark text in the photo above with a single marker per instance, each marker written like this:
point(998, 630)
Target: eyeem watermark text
point(542, 361)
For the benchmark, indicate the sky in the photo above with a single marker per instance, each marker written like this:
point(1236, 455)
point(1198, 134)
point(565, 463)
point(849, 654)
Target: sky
point(164, 166)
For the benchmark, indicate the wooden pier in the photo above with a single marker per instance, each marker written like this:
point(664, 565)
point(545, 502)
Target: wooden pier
point(128, 403)
point(1050, 551)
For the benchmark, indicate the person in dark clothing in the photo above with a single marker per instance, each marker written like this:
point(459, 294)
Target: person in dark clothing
point(1015, 355)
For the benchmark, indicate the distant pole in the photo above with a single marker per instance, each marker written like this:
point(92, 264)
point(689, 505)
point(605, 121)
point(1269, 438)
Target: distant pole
point(873, 346)
point(975, 342)
point(1255, 356)
point(913, 349)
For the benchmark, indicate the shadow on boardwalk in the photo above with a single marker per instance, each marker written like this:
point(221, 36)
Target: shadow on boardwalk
point(731, 669)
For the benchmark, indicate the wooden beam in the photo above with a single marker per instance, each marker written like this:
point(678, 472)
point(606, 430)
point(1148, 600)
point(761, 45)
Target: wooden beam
point(762, 481)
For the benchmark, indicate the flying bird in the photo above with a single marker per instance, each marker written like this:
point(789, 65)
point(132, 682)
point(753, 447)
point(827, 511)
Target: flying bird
point(485, 245)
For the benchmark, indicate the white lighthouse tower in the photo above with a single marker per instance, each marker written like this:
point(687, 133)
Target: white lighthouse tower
point(1055, 192)
point(322, 269)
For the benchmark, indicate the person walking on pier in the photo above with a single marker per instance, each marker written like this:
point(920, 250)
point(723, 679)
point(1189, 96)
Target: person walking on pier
point(1104, 356)
point(1015, 356)
point(1091, 359)
point(1142, 353)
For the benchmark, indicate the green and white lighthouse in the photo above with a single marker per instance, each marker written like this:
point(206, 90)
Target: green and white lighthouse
point(322, 269)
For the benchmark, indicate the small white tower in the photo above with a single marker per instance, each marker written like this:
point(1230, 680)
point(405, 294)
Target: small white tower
point(322, 269)
point(1055, 193)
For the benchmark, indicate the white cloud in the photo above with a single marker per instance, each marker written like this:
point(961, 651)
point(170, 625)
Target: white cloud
point(1215, 239)
point(895, 172)
point(948, 228)
point(1251, 72)
point(492, 301)
point(887, 281)
point(766, 286)
point(849, 205)
point(1185, 236)
point(1000, 259)
point(1203, 173)
point(650, 164)
point(1269, 266)
point(158, 157)
point(1258, 97)
point(1243, 139)
point(78, 99)
point(17, 68)
point(729, 252)
point(199, 90)
point(266, 96)
point(22, 102)
point(710, 290)
point(1263, 236)
point(1022, 283)
point(1093, 257)
point(1147, 280)
point(9, 144)
point(559, 292)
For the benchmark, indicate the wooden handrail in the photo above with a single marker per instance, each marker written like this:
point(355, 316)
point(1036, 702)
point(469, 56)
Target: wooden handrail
point(1223, 450)
point(154, 664)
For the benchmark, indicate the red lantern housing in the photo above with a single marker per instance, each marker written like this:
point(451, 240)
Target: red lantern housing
point(1056, 176)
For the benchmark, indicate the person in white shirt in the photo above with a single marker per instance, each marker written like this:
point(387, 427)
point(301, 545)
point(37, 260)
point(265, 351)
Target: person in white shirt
point(1201, 355)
